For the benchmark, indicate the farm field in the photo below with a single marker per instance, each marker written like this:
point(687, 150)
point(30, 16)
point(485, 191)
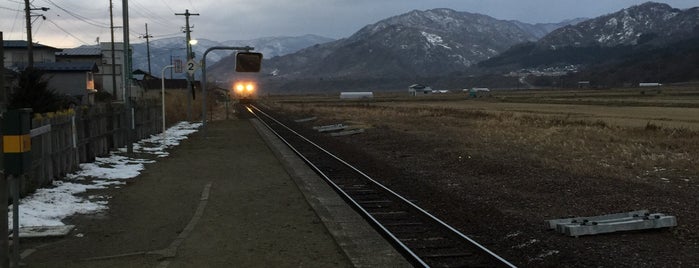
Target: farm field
point(498, 166)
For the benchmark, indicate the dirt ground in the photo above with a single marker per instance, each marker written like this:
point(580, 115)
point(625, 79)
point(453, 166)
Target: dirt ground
point(501, 193)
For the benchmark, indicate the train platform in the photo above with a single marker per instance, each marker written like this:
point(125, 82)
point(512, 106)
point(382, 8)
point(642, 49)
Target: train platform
point(230, 196)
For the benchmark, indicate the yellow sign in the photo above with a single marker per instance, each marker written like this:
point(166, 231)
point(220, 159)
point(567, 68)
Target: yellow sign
point(16, 143)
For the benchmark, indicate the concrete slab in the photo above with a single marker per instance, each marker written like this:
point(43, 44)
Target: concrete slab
point(347, 132)
point(625, 221)
point(330, 128)
point(552, 223)
point(642, 223)
point(308, 119)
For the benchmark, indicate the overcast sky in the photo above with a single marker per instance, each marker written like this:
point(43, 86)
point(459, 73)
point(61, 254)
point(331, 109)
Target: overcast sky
point(71, 23)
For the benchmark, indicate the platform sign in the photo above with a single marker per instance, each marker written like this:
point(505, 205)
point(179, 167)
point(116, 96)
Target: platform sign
point(192, 66)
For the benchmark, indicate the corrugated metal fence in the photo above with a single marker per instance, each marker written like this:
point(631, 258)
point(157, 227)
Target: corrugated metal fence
point(61, 141)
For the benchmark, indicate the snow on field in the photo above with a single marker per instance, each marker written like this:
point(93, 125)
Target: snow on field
point(48, 206)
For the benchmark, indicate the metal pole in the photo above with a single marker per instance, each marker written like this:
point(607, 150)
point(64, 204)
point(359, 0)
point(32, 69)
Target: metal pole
point(14, 182)
point(4, 243)
point(203, 78)
point(148, 48)
point(189, 57)
point(111, 31)
point(190, 87)
point(3, 92)
point(162, 75)
point(127, 76)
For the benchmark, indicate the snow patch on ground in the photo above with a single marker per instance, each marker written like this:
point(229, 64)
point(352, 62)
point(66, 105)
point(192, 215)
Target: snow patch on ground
point(49, 206)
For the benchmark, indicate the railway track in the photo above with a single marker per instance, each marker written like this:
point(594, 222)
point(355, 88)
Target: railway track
point(422, 238)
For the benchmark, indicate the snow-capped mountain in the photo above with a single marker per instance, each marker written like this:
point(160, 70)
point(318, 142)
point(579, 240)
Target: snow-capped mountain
point(279, 46)
point(431, 42)
point(540, 30)
point(625, 33)
point(165, 51)
point(631, 26)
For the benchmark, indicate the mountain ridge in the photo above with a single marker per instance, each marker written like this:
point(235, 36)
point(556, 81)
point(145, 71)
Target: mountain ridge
point(416, 43)
point(164, 51)
point(619, 34)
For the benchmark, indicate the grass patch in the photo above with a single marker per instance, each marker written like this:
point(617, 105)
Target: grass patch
point(587, 147)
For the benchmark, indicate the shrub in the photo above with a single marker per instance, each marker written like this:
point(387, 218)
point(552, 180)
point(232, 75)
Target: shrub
point(33, 92)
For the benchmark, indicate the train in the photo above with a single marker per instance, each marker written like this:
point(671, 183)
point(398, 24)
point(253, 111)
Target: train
point(245, 91)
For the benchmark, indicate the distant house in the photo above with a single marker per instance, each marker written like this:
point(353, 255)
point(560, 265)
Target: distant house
point(479, 92)
point(419, 89)
point(16, 53)
point(356, 95)
point(148, 82)
point(75, 79)
point(649, 84)
point(109, 77)
point(80, 54)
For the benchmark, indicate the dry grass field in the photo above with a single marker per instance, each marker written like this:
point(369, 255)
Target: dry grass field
point(619, 132)
point(537, 155)
point(177, 106)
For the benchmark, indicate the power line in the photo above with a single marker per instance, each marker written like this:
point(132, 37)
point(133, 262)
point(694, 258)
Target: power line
point(10, 9)
point(155, 17)
point(14, 22)
point(168, 6)
point(67, 32)
point(194, 8)
point(79, 17)
point(167, 35)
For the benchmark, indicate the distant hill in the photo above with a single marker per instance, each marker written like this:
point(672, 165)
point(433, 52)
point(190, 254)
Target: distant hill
point(676, 62)
point(163, 50)
point(646, 23)
point(434, 42)
point(540, 30)
point(611, 37)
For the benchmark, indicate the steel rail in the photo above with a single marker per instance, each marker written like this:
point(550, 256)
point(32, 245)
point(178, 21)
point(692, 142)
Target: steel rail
point(357, 205)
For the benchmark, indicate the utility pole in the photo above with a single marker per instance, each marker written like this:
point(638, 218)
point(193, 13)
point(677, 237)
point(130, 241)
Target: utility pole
point(188, 37)
point(4, 243)
point(30, 45)
point(127, 78)
point(3, 95)
point(111, 30)
point(30, 52)
point(147, 37)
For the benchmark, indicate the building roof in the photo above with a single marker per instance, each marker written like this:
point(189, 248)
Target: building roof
point(23, 44)
point(65, 66)
point(417, 86)
point(169, 84)
point(81, 51)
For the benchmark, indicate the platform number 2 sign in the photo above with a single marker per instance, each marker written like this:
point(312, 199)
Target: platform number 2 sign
point(192, 66)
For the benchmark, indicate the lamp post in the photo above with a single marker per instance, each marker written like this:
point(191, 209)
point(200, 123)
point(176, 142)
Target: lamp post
point(162, 79)
point(203, 78)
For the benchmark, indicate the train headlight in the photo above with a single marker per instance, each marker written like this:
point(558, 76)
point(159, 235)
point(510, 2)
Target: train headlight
point(250, 87)
point(239, 87)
